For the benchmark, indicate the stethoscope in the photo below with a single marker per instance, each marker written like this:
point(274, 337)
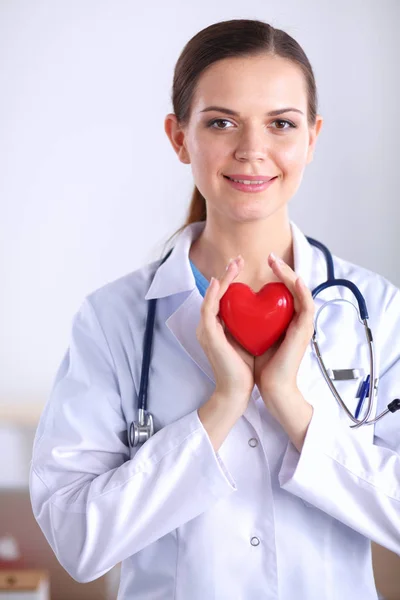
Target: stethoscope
point(141, 431)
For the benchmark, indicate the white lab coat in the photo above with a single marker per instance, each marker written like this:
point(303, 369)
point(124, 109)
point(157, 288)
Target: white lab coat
point(255, 520)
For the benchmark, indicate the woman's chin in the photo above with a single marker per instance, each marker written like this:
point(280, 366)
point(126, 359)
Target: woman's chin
point(250, 211)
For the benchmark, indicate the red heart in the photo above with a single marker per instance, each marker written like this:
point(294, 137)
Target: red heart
point(257, 320)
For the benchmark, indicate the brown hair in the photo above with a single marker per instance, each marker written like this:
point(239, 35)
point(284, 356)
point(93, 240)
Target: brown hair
point(227, 39)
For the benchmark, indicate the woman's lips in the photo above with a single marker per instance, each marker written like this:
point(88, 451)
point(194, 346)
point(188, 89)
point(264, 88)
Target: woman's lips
point(250, 187)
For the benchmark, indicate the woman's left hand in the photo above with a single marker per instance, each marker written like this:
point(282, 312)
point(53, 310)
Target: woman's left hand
point(275, 371)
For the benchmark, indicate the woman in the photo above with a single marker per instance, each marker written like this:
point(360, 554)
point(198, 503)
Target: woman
point(253, 485)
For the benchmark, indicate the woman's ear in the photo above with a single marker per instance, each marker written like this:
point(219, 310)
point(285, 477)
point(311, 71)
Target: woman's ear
point(176, 136)
point(314, 133)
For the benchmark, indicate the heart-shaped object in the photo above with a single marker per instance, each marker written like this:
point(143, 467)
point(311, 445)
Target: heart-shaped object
point(257, 320)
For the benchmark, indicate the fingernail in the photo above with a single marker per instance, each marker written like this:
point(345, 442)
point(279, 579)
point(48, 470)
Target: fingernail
point(232, 260)
point(276, 258)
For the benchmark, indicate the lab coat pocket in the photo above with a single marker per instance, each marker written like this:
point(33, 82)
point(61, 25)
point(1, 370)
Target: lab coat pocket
point(348, 391)
point(339, 359)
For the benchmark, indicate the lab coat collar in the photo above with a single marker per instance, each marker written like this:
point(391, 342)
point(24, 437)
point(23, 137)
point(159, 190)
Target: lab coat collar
point(176, 276)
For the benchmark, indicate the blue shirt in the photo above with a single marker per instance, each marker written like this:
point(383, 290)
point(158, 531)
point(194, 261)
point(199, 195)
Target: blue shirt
point(201, 282)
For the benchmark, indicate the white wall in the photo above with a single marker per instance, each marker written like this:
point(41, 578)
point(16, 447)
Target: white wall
point(90, 187)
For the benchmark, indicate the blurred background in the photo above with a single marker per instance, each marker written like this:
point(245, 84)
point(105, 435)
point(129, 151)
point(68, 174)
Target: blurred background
point(90, 188)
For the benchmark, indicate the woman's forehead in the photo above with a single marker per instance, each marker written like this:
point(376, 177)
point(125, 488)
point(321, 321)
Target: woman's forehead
point(253, 83)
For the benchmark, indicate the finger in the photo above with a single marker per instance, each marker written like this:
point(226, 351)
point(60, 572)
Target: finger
point(217, 288)
point(232, 271)
point(283, 271)
point(210, 300)
point(307, 309)
point(305, 295)
point(212, 324)
point(302, 326)
point(289, 278)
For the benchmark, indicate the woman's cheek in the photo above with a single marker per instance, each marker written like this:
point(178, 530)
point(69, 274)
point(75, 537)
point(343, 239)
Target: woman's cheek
point(293, 158)
point(292, 162)
point(202, 169)
point(205, 172)
point(207, 166)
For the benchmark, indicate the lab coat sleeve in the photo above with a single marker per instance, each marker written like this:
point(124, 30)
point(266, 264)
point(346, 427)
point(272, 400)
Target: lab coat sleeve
point(94, 504)
point(356, 482)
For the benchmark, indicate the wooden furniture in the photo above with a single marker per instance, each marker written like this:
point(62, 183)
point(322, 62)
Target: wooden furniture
point(24, 584)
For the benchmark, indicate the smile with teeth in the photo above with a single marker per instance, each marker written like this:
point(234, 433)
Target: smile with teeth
point(247, 181)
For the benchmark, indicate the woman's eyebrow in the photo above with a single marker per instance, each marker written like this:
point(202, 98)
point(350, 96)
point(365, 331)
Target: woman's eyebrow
point(271, 113)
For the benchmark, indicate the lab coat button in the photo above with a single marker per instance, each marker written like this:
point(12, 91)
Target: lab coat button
point(254, 541)
point(253, 442)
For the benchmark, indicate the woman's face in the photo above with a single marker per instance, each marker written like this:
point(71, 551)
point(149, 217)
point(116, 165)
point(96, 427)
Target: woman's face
point(218, 143)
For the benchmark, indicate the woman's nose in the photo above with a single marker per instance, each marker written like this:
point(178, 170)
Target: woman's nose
point(250, 155)
point(252, 147)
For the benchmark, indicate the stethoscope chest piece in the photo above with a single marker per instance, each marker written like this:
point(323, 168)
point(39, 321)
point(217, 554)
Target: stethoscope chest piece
point(140, 432)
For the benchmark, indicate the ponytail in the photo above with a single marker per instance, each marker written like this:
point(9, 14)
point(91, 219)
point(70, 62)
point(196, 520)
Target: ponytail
point(197, 212)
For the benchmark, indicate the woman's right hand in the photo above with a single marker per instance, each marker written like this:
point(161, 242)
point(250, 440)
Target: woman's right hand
point(232, 365)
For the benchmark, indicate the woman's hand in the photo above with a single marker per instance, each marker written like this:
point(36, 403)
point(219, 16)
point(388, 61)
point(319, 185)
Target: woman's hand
point(275, 371)
point(232, 365)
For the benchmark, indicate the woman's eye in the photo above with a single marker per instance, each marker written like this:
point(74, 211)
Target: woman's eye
point(211, 123)
point(284, 121)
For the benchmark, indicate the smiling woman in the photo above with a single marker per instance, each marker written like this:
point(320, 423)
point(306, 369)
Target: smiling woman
point(249, 483)
point(245, 119)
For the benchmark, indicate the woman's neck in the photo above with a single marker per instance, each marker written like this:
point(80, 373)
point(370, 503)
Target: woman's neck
point(219, 242)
